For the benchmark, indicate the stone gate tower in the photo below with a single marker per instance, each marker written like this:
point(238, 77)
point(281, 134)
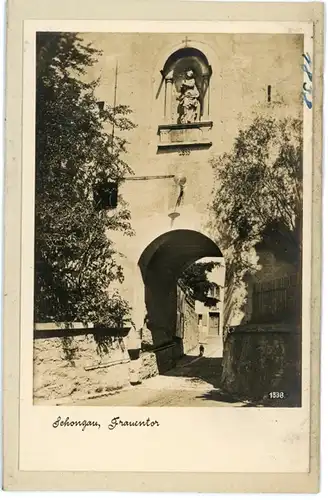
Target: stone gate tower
point(189, 96)
point(175, 190)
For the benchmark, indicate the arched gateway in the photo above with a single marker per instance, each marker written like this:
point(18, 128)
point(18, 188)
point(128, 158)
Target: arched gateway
point(160, 265)
point(176, 190)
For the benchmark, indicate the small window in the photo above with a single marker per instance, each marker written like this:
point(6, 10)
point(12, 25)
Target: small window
point(200, 318)
point(105, 196)
point(214, 292)
point(269, 93)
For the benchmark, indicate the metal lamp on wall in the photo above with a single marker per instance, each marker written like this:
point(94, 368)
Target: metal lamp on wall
point(180, 181)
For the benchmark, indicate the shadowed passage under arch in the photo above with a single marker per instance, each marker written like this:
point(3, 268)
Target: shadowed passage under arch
point(161, 264)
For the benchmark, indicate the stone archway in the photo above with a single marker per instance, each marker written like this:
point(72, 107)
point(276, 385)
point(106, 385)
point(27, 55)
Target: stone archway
point(161, 263)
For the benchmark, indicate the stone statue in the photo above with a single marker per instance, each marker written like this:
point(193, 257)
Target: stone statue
point(188, 99)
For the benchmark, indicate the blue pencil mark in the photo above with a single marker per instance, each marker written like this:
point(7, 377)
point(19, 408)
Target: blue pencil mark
point(308, 72)
point(307, 90)
point(307, 58)
point(307, 102)
point(307, 85)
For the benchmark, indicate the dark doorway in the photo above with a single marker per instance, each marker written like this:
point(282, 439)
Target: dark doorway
point(214, 324)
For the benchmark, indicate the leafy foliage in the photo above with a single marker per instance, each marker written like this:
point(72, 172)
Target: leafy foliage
point(259, 186)
point(258, 198)
point(195, 280)
point(75, 259)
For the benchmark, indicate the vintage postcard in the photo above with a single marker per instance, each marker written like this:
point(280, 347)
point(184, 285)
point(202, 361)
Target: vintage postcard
point(163, 228)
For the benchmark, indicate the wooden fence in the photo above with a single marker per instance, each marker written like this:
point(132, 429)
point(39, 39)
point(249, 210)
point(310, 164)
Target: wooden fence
point(278, 300)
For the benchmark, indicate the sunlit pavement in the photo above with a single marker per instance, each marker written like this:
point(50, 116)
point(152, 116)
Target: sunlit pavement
point(194, 382)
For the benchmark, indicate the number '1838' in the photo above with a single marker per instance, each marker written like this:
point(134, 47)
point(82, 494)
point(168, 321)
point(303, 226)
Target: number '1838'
point(277, 395)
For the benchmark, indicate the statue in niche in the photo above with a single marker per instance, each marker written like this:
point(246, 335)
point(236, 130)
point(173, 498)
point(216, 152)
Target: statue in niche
point(188, 99)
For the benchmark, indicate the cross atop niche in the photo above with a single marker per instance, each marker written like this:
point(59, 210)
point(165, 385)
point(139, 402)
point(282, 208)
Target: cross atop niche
point(185, 41)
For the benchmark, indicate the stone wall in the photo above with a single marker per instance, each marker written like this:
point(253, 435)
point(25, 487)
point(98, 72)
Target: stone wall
point(259, 359)
point(272, 267)
point(159, 361)
point(238, 301)
point(191, 330)
point(78, 367)
point(86, 365)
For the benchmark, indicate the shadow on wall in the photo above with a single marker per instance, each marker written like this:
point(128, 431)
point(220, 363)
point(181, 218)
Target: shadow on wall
point(178, 336)
point(159, 361)
point(274, 263)
point(254, 385)
point(161, 305)
point(260, 362)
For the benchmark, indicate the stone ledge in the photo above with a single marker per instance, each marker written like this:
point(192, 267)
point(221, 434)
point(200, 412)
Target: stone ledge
point(184, 126)
point(61, 326)
point(51, 330)
point(266, 328)
point(107, 365)
point(184, 135)
point(162, 347)
point(184, 145)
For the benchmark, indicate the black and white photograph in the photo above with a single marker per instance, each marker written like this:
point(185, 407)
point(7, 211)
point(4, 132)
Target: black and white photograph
point(168, 218)
point(162, 259)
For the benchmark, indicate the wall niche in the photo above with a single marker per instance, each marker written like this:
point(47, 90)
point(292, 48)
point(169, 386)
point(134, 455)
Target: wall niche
point(186, 114)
